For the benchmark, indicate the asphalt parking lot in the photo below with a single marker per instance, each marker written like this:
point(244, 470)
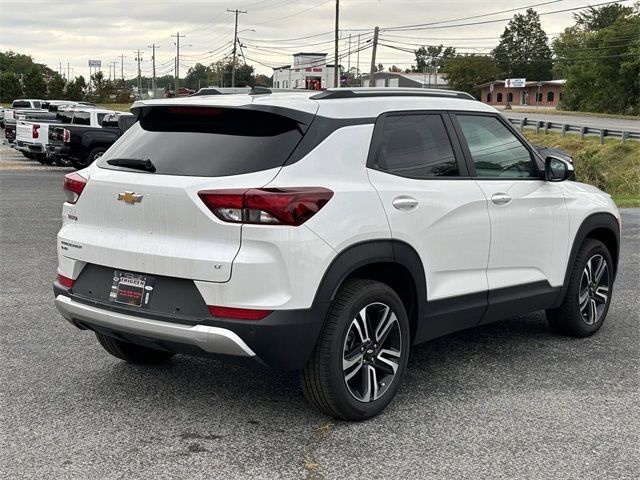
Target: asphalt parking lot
point(508, 400)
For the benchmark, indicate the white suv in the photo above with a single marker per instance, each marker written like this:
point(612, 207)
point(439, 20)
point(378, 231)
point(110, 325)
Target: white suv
point(328, 233)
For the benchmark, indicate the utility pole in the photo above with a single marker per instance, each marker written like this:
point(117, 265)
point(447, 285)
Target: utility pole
point(153, 59)
point(122, 68)
point(114, 70)
point(68, 73)
point(235, 44)
point(139, 59)
point(358, 64)
point(336, 73)
point(372, 73)
point(177, 36)
point(349, 57)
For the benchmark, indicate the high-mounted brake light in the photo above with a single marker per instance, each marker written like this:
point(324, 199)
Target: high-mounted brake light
point(238, 313)
point(65, 281)
point(66, 135)
point(266, 206)
point(73, 186)
point(34, 130)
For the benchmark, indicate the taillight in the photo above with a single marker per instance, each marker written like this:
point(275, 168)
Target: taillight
point(65, 281)
point(66, 135)
point(34, 131)
point(266, 206)
point(73, 186)
point(238, 313)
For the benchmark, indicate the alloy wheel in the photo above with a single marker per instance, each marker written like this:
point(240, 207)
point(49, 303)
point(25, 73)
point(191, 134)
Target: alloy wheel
point(593, 294)
point(372, 351)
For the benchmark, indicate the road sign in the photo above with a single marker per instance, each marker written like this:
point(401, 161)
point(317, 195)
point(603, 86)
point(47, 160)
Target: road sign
point(515, 82)
point(95, 63)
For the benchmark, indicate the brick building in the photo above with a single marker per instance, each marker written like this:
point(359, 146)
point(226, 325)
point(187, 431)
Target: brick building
point(545, 94)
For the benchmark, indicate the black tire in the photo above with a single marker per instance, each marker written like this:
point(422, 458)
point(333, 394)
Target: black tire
point(132, 353)
point(28, 155)
point(573, 317)
point(42, 158)
point(324, 382)
point(77, 164)
point(94, 154)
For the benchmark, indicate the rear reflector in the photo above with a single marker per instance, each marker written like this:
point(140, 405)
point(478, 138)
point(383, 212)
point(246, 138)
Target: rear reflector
point(238, 313)
point(34, 130)
point(65, 281)
point(266, 206)
point(73, 186)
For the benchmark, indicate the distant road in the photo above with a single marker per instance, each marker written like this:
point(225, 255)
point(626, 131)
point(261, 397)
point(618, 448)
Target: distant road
point(595, 122)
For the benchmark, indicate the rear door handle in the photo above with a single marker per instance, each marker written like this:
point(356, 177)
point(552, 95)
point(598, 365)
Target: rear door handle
point(405, 203)
point(500, 198)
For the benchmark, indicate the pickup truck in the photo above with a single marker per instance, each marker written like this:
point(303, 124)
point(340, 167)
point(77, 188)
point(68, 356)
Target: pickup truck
point(8, 114)
point(83, 144)
point(32, 129)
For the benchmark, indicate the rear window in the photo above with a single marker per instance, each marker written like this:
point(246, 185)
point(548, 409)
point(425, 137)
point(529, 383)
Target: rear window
point(64, 117)
point(208, 142)
point(81, 118)
point(20, 104)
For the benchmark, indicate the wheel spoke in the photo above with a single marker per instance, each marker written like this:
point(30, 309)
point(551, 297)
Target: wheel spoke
point(583, 299)
point(366, 384)
point(601, 268)
point(357, 362)
point(588, 271)
point(593, 311)
point(390, 363)
point(389, 320)
point(374, 382)
point(364, 324)
point(601, 294)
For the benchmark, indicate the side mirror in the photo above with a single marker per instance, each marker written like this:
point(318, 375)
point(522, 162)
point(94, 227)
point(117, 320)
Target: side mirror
point(557, 169)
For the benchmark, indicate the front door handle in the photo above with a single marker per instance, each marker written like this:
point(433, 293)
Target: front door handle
point(405, 203)
point(500, 198)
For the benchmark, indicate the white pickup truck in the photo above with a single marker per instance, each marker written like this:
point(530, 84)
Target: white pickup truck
point(32, 137)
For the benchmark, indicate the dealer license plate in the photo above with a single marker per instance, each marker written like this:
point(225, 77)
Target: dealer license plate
point(131, 289)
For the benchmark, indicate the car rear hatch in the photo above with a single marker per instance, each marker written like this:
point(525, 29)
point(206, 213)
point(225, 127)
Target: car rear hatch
point(140, 210)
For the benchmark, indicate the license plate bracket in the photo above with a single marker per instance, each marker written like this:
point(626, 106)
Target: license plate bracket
point(132, 289)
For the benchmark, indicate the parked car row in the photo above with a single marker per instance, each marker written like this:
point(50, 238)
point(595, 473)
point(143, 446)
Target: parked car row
point(62, 132)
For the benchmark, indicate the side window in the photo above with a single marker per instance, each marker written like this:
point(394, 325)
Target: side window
point(416, 146)
point(100, 118)
point(495, 150)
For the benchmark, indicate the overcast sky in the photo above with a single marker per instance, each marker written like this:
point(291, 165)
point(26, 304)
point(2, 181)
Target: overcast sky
point(61, 31)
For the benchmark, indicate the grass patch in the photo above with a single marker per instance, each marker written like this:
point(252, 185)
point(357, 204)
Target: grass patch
point(613, 167)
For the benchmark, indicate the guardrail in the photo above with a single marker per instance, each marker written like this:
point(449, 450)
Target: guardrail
point(563, 128)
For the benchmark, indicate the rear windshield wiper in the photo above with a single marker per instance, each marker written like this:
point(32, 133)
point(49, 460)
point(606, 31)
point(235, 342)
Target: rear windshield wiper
point(136, 163)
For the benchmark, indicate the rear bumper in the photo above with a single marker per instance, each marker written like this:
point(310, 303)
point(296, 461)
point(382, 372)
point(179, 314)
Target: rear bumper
point(29, 147)
point(209, 339)
point(283, 340)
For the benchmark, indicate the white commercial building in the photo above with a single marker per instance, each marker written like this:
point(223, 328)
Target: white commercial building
point(309, 71)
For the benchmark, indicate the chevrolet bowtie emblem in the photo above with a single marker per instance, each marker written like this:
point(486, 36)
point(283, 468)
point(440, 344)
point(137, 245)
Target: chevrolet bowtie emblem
point(130, 197)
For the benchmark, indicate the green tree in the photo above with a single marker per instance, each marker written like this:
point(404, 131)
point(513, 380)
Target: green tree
point(263, 81)
point(602, 72)
point(10, 87)
point(33, 83)
point(99, 85)
point(55, 87)
point(593, 19)
point(523, 51)
point(76, 89)
point(380, 68)
point(464, 72)
point(432, 56)
point(197, 76)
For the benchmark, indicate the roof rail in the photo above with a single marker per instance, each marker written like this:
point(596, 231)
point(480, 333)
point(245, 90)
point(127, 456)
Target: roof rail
point(269, 90)
point(363, 92)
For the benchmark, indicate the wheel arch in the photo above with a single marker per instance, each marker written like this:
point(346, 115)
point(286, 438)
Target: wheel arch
point(392, 262)
point(600, 226)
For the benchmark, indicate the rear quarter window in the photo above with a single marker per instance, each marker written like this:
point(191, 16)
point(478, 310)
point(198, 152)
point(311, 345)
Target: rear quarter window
point(81, 118)
point(207, 141)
